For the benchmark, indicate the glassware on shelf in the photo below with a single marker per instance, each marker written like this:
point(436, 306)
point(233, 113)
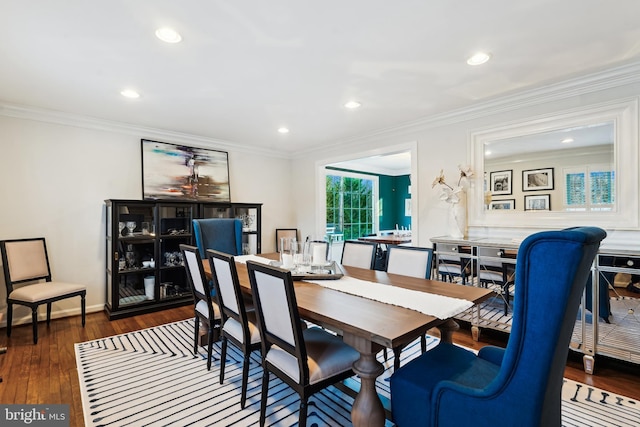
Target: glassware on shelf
point(131, 225)
point(121, 226)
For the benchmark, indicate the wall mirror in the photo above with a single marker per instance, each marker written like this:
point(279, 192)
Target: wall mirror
point(578, 167)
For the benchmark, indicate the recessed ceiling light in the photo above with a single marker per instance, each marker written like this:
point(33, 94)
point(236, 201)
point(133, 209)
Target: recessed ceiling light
point(168, 35)
point(478, 58)
point(283, 130)
point(352, 104)
point(487, 153)
point(130, 93)
point(567, 140)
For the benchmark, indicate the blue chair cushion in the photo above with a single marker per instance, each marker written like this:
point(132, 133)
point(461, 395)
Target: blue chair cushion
point(412, 385)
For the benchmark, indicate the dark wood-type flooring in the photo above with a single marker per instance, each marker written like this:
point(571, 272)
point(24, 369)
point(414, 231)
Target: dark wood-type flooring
point(46, 373)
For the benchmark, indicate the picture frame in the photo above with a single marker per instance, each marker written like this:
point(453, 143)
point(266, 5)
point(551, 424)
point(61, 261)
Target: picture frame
point(508, 204)
point(537, 202)
point(179, 172)
point(537, 179)
point(500, 182)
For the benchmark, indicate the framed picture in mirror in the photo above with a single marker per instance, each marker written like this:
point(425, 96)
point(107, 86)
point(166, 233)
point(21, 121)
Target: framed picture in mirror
point(502, 204)
point(537, 179)
point(500, 182)
point(539, 202)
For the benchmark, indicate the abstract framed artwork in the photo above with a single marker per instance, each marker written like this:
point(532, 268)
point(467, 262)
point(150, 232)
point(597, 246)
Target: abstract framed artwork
point(500, 182)
point(179, 172)
point(538, 202)
point(502, 204)
point(537, 179)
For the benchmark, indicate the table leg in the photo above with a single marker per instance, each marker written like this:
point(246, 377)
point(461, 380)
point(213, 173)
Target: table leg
point(447, 329)
point(367, 408)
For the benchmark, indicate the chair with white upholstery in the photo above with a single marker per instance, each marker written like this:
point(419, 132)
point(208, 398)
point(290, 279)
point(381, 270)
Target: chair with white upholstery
point(205, 309)
point(359, 254)
point(307, 360)
point(26, 263)
point(410, 261)
point(238, 325)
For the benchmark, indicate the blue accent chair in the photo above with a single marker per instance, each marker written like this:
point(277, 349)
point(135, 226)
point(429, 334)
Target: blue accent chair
point(520, 385)
point(219, 234)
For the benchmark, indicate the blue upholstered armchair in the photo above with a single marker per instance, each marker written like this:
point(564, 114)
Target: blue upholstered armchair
point(219, 234)
point(520, 385)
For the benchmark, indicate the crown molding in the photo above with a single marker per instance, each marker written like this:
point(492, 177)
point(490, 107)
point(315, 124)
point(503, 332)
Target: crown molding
point(554, 91)
point(87, 122)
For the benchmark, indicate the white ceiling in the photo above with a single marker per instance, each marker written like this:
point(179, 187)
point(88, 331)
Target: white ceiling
point(245, 68)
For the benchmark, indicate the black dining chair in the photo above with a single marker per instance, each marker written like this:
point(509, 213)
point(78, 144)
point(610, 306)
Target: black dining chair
point(359, 254)
point(307, 360)
point(27, 276)
point(410, 261)
point(206, 310)
point(238, 324)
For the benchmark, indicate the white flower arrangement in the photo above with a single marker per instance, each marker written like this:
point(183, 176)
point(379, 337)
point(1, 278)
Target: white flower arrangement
point(452, 194)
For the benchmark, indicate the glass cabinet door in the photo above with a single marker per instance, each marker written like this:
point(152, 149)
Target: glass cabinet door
point(134, 253)
point(175, 228)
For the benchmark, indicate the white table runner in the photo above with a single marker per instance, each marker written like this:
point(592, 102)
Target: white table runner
point(242, 259)
point(431, 304)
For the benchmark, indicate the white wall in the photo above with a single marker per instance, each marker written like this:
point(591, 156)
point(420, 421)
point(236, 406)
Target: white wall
point(55, 179)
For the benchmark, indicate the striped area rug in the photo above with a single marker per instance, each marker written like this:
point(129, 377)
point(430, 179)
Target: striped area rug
point(151, 378)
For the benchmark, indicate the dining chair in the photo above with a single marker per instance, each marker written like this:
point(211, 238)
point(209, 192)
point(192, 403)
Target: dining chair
point(359, 254)
point(219, 234)
point(289, 233)
point(496, 274)
point(450, 266)
point(238, 324)
point(410, 261)
point(522, 383)
point(307, 360)
point(26, 264)
point(206, 310)
point(318, 250)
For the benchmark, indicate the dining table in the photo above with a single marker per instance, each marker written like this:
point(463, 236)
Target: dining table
point(386, 240)
point(369, 325)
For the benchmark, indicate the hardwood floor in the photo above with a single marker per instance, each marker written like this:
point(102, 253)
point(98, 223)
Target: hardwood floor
point(46, 373)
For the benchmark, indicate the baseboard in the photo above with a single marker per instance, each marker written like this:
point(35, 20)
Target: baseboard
point(42, 314)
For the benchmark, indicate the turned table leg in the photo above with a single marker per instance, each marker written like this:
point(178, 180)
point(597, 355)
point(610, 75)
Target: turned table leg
point(367, 408)
point(447, 329)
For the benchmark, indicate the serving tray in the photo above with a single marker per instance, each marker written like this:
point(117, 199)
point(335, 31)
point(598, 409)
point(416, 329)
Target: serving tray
point(331, 271)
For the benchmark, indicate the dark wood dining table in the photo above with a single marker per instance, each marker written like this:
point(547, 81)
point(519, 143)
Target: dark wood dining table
point(369, 326)
point(386, 240)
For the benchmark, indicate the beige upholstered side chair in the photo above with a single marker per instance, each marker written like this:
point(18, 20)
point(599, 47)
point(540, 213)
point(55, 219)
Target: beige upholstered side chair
point(26, 265)
point(206, 310)
point(289, 233)
point(307, 360)
point(238, 325)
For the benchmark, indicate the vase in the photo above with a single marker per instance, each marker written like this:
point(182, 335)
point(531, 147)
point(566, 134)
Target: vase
point(458, 220)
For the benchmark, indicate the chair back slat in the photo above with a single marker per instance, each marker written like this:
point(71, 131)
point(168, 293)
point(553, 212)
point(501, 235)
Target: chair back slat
point(27, 260)
point(409, 261)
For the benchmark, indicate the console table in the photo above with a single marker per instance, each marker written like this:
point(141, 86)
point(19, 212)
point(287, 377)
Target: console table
point(615, 332)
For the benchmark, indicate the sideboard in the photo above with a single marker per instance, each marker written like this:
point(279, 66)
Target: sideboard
point(614, 305)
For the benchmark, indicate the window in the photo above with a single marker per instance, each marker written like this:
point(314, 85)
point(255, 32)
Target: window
point(351, 207)
point(591, 188)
